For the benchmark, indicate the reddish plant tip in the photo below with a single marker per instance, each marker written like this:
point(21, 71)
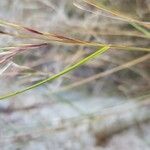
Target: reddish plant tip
point(36, 45)
point(68, 39)
point(33, 31)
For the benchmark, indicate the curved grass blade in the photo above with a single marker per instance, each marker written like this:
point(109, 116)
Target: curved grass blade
point(78, 64)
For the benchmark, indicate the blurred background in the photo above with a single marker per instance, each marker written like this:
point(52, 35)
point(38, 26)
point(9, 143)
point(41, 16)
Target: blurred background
point(103, 104)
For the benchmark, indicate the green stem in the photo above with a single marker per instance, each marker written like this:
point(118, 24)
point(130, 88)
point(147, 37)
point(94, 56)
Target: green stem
point(68, 69)
point(141, 29)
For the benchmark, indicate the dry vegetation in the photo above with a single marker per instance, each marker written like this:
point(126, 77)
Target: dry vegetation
point(78, 48)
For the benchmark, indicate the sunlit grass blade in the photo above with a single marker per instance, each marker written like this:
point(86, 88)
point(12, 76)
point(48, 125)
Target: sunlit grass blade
point(115, 13)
